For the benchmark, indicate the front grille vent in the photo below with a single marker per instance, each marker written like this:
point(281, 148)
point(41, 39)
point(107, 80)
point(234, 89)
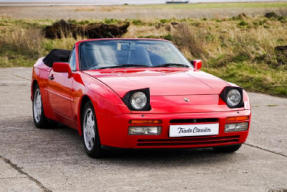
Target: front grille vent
point(193, 141)
point(206, 120)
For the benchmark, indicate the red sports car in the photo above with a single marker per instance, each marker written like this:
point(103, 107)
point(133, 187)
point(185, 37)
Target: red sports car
point(138, 93)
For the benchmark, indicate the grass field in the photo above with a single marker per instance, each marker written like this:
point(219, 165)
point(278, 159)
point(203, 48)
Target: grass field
point(238, 49)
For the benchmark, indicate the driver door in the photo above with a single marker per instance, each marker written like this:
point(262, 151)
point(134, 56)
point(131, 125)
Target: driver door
point(60, 91)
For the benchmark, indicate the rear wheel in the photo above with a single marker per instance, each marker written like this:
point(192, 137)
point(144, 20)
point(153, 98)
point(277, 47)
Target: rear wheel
point(90, 136)
point(39, 118)
point(227, 149)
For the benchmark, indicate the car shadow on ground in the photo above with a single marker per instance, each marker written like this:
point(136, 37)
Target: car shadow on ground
point(61, 143)
point(167, 157)
point(152, 157)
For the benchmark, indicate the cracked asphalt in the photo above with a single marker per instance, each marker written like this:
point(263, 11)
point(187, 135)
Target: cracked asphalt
point(54, 159)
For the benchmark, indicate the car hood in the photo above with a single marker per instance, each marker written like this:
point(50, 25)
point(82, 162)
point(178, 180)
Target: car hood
point(160, 81)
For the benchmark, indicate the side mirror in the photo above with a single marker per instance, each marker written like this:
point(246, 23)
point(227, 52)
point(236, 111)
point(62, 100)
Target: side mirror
point(197, 64)
point(62, 67)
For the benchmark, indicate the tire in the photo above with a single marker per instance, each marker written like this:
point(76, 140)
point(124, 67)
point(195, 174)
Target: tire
point(227, 149)
point(39, 117)
point(90, 135)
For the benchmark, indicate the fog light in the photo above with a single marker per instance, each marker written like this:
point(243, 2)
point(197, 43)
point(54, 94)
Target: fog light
point(144, 130)
point(236, 127)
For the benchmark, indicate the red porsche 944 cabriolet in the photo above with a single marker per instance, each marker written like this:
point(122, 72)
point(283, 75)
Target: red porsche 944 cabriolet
point(137, 93)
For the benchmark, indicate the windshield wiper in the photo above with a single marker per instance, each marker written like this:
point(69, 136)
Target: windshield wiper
point(172, 65)
point(123, 66)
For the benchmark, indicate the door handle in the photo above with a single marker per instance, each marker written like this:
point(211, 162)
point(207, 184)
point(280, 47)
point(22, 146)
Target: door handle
point(51, 77)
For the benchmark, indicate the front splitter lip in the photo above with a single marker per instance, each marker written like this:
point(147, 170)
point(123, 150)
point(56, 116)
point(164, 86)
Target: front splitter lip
point(165, 148)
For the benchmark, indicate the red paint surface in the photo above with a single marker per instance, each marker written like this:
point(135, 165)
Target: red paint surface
point(62, 99)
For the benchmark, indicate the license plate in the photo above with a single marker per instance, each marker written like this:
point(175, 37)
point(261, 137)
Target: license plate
point(193, 130)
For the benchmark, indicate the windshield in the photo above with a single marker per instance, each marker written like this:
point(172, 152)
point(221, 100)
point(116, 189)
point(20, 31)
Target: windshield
point(130, 53)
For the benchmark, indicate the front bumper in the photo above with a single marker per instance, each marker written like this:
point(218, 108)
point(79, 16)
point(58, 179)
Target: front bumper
point(113, 131)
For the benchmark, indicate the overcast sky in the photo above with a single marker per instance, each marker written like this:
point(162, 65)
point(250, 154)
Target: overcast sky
point(123, 1)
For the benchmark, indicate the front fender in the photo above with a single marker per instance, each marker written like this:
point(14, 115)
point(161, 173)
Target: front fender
point(105, 101)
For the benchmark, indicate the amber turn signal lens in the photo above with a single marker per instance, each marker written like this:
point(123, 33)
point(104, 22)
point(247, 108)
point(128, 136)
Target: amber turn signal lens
point(145, 121)
point(236, 119)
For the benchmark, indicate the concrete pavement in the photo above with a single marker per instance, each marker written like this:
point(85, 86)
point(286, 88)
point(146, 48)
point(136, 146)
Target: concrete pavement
point(54, 159)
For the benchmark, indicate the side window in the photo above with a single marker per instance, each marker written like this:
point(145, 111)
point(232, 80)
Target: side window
point(72, 60)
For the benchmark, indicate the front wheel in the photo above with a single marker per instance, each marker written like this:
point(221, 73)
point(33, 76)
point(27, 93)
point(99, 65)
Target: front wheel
point(227, 149)
point(91, 139)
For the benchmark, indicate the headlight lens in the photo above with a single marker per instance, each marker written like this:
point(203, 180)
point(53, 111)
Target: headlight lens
point(233, 97)
point(138, 100)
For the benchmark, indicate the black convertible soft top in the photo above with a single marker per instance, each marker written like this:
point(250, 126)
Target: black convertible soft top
point(57, 55)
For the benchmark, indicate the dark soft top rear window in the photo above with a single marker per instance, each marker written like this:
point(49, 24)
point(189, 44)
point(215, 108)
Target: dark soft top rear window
point(57, 55)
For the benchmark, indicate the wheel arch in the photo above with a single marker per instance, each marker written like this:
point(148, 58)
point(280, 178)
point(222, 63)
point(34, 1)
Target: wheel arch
point(34, 83)
point(83, 101)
